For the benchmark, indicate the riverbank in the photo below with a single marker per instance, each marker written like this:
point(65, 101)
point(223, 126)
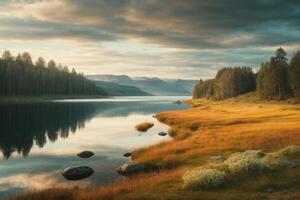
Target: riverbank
point(40, 99)
point(210, 128)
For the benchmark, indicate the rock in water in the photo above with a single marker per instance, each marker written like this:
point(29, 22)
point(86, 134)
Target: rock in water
point(127, 154)
point(77, 173)
point(132, 169)
point(162, 133)
point(178, 102)
point(85, 154)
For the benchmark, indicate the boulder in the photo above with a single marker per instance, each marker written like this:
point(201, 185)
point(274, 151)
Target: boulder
point(128, 154)
point(129, 169)
point(77, 173)
point(162, 133)
point(85, 154)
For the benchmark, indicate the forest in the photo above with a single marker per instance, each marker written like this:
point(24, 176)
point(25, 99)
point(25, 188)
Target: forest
point(276, 79)
point(19, 76)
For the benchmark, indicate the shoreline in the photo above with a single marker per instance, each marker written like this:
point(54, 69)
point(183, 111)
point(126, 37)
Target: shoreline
point(43, 99)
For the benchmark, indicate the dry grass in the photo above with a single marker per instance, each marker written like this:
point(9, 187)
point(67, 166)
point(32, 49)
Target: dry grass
point(209, 129)
point(143, 127)
point(224, 128)
point(50, 194)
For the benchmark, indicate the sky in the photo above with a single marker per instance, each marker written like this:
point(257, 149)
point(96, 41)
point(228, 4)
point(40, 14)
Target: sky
point(189, 39)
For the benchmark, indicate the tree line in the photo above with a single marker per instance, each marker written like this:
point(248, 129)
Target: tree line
point(275, 80)
point(20, 76)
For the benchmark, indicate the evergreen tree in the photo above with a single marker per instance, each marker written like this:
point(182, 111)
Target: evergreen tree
point(40, 62)
point(229, 82)
point(20, 77)
point(294, 74)
point(272, 79)
point(7, 55)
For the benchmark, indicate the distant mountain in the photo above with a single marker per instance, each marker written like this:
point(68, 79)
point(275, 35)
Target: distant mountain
point(114, 89)
point(154, 86)
point(186, 84)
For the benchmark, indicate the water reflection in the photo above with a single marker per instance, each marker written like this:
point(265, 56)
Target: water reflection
point(24, 125)
point(37, 140)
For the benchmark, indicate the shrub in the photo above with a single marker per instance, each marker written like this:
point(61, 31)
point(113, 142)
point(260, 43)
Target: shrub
point(243, 163)
point(246, 166)
point(290, 150)
point(271, 160)
point(278, 159)
point(203, 178)
point(172, 131)
point(248, 155)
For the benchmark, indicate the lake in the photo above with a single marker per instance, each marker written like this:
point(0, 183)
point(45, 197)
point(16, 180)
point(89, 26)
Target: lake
point(37, 141)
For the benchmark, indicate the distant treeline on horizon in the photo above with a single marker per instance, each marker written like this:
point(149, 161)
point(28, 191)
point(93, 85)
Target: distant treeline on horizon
point(276, 80)
point(20, 76)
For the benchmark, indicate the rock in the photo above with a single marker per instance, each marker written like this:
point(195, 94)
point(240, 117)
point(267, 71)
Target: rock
point(77, 173)
point(162, 133)
point(127, 154)
point(85, 154)
point(287, 164)
point(269, 190)
point(128, 169)
point(178, 102)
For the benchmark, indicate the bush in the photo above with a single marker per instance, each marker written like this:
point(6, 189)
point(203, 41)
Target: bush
point(250, 154)
point(290, 150)
point(242, 163)
point(173, 132)
point(271, 160)
point(203, 179)
point(246, 167)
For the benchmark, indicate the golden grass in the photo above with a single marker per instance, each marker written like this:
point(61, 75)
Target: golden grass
point(213, 128)
point(143, 127)
point(223, 128)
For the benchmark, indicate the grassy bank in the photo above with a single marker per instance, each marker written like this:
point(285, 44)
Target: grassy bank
point(39, 99)
point(211, 128)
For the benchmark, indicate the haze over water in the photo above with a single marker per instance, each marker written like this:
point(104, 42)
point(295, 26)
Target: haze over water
point(38, 141)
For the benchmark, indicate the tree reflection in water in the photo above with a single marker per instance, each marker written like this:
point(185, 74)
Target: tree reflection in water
point(23, 125)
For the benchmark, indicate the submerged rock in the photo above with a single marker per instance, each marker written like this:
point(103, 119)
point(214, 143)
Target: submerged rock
point(132, 169)
point(128, 154)
point(162, 133)
point(77, 173)
point(178, 102)
point(85, 154)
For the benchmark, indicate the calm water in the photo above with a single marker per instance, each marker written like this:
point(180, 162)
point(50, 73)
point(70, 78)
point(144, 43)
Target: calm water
point(37, 141)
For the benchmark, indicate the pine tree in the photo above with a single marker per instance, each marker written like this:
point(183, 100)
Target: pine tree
point(272, 79)
point(294, 74)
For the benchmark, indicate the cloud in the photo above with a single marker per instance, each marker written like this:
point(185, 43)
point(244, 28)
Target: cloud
point(184, 24)
point(210, 28)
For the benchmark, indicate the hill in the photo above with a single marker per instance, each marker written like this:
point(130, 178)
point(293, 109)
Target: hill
point(114, 89)
point(153, 86)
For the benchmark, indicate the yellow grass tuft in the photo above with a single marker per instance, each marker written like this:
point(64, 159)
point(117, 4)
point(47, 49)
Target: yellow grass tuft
point(203, 179)
point(143, 127)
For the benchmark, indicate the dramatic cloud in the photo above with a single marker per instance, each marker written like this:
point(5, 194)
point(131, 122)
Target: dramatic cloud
point(191, 37)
